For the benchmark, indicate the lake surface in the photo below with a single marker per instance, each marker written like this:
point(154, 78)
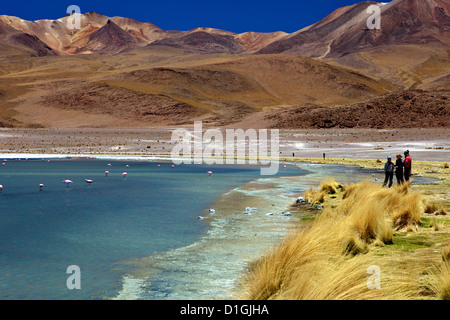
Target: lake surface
point(103, 226)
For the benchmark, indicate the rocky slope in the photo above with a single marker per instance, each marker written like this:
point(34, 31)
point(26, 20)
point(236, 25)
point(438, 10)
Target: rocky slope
point(117, 71)
point(405, 109)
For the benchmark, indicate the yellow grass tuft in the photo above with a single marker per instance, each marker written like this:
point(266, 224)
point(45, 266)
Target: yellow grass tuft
point(326, 260)
point(434, 208)
point(443, 282)
point(441, 285)
point(430, 207)
point(436, 225)
point(369, 205)
point(330, 186)
point(446, 254)
point(327, 186)
point(314, 197)
point(408, 214)
point(310, 265)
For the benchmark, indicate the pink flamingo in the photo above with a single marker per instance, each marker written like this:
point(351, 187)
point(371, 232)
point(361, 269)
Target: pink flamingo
point(67, 182)
point(1, 188)
point(106, 173)
point(210, 173)
point(124, 174)
point(89, 181)
point(41, 186)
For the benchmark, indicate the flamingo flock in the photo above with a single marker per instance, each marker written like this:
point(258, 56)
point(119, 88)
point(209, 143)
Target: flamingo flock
point(67, 182)
point(248, 210)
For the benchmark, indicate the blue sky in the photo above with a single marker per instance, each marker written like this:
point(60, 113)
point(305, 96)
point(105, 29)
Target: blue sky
point(232, 15)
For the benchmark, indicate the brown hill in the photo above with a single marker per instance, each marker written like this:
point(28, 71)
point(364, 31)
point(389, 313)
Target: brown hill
point(257, 81)
point(252, 42)
point(345, 30)
point(203, 42)
point(128, 105)
point(136, 74)
point(110, 39)
point(315, 40)
point(63, 40)
point(219, 89)
point(410, 48)
point(341, 33)
point(23, 42)
point(404, 109)
point(403, 22)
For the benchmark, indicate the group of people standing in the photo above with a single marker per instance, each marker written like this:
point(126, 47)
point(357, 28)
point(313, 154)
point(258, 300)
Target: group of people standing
point(401, 168)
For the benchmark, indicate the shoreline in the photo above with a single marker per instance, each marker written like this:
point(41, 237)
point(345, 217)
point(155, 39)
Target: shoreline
point(233, 241)
point(424, 144)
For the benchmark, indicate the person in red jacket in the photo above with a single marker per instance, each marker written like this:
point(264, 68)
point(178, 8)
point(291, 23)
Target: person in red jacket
point(407, 165)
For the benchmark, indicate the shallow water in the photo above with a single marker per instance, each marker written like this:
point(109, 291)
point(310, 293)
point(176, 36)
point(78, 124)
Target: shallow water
point(102, 226)
point(211, 267)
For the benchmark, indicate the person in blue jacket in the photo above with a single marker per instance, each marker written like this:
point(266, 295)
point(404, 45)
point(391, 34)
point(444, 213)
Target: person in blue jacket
point(389, 172)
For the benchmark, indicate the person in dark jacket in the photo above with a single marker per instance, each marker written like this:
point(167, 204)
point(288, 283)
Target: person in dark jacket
point(407, 164)
point(389, 172)
point(399, 169)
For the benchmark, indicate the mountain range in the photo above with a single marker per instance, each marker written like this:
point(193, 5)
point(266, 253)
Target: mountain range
point(116, 71)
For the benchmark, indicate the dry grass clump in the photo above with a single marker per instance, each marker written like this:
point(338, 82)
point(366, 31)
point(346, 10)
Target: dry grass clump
point(325, 260)
point(330, 186)
point(327, 186)
point(436, 225)
point(370, 205)
point(314, 197)
point(407, 216)
point(430, 207)
point(441, 285)
point(309, 265)
point(375, 212)
point(370, 223)
point(444, 286)
point(446, 165)
point(446, 254)
point(442, 281)
point(434, 208)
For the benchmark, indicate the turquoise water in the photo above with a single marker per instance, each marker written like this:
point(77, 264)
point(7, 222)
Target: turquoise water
point(102, 226)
